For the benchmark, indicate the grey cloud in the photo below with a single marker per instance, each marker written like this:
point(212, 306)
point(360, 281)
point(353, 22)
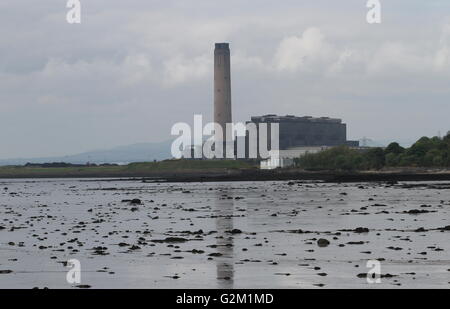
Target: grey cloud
point(134, 68)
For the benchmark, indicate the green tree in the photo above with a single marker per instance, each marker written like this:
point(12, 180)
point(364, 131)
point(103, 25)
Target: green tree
point(374, 158)
point(426, 152)
point(392, 159)
point(394, 148)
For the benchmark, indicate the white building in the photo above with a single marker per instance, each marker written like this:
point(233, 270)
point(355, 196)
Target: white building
point(285, 158)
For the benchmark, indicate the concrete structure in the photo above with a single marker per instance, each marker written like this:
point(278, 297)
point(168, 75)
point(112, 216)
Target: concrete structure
point(285, 158)
point(222, 88)
point(305, 131)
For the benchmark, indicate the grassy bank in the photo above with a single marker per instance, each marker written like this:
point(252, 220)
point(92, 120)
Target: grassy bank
point(130, 170)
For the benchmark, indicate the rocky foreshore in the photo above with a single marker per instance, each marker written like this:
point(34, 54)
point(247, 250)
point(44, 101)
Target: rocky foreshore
point(295, 174)
point(217, 174)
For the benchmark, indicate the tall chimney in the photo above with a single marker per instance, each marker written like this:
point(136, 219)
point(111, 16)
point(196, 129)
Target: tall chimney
point(222, 88)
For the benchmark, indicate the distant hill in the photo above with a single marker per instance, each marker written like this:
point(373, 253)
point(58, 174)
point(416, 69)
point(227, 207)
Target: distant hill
point(141, 152)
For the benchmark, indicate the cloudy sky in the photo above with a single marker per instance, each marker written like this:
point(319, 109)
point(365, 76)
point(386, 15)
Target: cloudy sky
point(133, 68)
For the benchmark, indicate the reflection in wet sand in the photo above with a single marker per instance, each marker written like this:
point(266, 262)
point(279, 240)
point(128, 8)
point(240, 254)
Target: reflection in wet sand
point(223, 209)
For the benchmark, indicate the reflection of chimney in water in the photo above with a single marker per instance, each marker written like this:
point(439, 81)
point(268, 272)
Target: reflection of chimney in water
point(224, 208)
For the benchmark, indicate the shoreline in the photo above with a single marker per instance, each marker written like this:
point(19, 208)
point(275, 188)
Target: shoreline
point(231, 175)
point(330, 177)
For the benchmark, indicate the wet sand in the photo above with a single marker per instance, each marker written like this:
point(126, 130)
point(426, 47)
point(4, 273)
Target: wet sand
point(273, 234)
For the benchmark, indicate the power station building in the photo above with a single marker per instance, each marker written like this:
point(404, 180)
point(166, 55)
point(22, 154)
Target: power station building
point(295, 133)
point(306, 131)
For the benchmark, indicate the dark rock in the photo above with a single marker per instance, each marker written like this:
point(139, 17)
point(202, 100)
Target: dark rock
point(136, 201)
point(395, 248)
point(421, 229)
point(322, 242)
point(215, 254)
point(7, 271)
point(355, 243)
point(195, 251)
point(361, 230)
point(235, 231)
point(170, 240)
point(387, 276)
point(364, 275)
point(417, 211)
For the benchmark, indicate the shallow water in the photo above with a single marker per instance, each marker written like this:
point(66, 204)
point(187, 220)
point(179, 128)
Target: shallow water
point(47, 222)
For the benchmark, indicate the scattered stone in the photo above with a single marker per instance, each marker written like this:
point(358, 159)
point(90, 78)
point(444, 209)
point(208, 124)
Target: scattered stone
point(355, 243)
point(7, 271)
point(136, 201)
point(395, 248)
point(361, 230)
point(195, 251)
point(322, 242)
point(319, 285)
point(215, 254)
point(421, 229)
point(171, 240)
point(417, 211)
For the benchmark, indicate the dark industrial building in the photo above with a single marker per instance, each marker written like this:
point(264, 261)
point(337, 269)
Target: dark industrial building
point(294, 132)
point(306, 131)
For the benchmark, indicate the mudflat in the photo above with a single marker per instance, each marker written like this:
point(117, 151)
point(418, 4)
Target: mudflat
point(243, 234)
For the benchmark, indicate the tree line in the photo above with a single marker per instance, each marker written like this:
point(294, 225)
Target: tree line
point(426, 152)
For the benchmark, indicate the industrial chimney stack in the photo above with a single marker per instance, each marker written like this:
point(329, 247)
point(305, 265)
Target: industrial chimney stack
point(222, 88)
